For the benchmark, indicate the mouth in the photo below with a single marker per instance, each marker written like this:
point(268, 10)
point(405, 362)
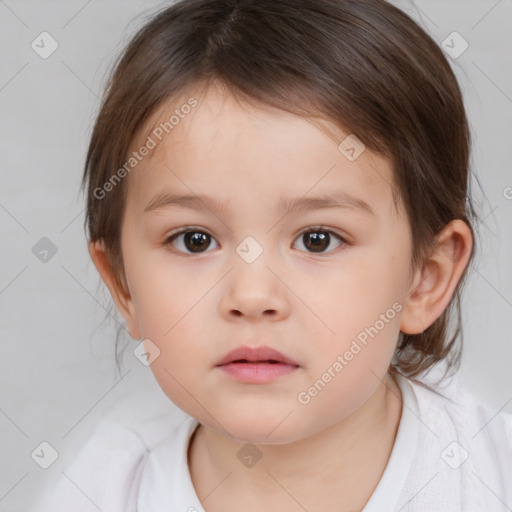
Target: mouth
point(259, 355)
point(256, 366)
point(268, 361)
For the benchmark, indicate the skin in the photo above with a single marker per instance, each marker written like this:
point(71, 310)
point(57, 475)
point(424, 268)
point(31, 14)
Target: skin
point(196, 307)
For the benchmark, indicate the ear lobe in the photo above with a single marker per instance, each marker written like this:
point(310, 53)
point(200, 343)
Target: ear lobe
point(120, 295)
point(435, 283)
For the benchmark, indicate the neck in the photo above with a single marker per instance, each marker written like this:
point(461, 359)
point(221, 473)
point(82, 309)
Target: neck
point(342, 463)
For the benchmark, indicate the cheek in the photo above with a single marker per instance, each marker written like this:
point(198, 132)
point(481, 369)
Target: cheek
point(185, 350)
point(171, 300)
point(354, 297)
point(348, 370)
point(365, 339)
point(363, 308)
point(164, 293)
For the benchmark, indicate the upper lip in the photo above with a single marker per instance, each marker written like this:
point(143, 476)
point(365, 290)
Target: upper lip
point(257, 354)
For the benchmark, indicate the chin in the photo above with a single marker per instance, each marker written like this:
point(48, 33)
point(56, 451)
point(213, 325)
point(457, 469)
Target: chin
point(262, 430)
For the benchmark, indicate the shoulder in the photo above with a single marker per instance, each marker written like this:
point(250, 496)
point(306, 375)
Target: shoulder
point(105, 472)
point(465, 442)
point(450, 400)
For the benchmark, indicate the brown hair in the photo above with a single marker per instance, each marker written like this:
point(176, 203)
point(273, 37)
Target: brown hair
point(364, 65)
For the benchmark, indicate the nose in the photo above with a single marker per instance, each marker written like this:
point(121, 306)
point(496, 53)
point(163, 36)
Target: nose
point(255, 292)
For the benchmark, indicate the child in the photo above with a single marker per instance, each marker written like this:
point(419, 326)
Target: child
point(278, 203)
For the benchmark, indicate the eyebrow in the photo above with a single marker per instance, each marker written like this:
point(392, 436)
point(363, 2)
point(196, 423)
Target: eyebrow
point(338, 199)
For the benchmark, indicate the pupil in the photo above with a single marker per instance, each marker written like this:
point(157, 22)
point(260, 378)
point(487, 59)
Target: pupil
point(195, 241)
point(318, 240)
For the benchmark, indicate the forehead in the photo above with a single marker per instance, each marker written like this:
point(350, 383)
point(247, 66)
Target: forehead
point(236, 151)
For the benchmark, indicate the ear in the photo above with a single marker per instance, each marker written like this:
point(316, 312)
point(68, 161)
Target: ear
point(121, 295)
point(434, 284)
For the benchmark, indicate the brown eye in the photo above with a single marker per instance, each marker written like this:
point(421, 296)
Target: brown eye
point(318, 240)
point(190, 241)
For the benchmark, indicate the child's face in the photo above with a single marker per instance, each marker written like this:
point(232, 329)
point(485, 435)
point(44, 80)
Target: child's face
point(310, 306)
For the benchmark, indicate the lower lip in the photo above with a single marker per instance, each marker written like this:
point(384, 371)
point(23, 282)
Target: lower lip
point(257, 372)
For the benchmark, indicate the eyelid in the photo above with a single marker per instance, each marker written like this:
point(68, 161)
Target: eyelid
point(327, 229)
point(319, 227)
point(312, 228)
point(184, 229)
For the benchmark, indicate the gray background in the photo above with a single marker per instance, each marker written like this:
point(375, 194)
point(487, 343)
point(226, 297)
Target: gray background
point(57, 371)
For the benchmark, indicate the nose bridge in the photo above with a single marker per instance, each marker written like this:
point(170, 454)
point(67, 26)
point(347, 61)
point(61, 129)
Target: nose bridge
point(253, 289)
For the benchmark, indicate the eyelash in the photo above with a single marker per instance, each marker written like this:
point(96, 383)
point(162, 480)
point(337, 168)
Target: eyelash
point(311, 229)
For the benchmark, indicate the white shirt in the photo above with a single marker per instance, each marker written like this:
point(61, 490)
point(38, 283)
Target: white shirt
point(450, 454)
